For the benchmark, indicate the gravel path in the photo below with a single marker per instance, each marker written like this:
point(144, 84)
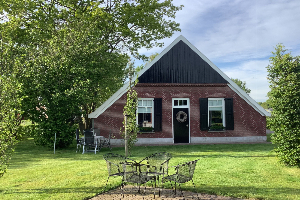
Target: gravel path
point(130, 192)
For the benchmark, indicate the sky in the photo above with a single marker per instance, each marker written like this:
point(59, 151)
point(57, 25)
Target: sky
point(238, 36)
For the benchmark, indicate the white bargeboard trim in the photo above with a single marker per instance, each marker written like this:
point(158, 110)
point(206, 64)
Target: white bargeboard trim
point(231, 84)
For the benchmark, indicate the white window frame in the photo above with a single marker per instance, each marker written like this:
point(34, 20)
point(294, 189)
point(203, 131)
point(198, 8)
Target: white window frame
point(137, 119)
point(223, 109)
point(181, 106)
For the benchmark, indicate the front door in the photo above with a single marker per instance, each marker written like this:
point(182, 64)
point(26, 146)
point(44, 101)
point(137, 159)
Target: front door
point(181, 121)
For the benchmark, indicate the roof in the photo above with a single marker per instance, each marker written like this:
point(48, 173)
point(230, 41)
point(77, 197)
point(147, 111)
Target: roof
point(230, 83)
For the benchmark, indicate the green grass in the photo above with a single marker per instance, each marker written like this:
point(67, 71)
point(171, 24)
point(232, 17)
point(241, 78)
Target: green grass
point(237, 170)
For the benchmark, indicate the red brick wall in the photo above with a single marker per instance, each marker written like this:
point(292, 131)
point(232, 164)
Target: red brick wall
point(247, 121)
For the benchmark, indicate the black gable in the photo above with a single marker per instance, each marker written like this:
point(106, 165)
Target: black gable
point(181, 65)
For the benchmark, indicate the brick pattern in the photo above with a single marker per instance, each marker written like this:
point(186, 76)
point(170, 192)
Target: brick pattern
point(247, 121)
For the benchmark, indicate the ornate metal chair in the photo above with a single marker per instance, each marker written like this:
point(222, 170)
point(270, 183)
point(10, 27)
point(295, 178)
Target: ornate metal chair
point(105, 142)
point(136, 173)
point(89, 141)
point(184, 173)
point(158, 163)
point(78, 140)
point(114, 164)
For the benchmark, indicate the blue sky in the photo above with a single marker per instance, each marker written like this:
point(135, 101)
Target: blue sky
point(238, 36)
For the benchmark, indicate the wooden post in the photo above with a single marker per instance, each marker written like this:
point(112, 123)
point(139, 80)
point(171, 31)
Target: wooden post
point(54, 142)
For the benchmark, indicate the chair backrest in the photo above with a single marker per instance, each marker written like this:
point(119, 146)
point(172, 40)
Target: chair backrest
point(115, 163)
point(186, 170)
point(88, 137)
point(158, 162)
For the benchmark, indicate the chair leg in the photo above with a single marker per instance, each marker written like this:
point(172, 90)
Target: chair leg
point(162, 187)
point(105, 185)
point(175, 188)
point(195, 189)
point(180, 189)
point(99, 147)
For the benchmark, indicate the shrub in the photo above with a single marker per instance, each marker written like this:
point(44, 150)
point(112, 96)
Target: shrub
point(284, 97)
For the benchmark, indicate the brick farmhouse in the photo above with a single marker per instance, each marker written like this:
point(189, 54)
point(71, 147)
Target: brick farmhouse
point(185, 98)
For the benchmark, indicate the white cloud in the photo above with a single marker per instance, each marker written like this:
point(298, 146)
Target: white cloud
point(236, 30)
point(239, 32)
point(255, 74)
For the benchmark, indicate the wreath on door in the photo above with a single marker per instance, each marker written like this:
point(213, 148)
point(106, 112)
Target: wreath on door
point(181, 116)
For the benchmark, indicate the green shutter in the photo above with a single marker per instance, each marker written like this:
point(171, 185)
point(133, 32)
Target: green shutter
point(203, 114)
point(157, 114)
point(229, 114)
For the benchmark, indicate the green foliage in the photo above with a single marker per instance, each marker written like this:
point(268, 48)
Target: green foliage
point(146, 129)
point(10, 119)
point(70, 56)
point(241, 84)
point(216, 127)
point(265, 105)
point(130, 112)
point(284, 98)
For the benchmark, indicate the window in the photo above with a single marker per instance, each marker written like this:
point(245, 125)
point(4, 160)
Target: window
point(180, 103)
point(216, 114)
point(211, 113)
point(145, 113)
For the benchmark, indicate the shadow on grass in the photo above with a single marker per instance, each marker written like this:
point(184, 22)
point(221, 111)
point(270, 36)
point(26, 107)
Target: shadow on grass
point(54, 190)
point(27, 152)
point(244, 192)
point(223, 155)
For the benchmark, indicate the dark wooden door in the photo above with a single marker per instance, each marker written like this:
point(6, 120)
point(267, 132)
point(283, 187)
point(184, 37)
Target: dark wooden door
point(181, 125)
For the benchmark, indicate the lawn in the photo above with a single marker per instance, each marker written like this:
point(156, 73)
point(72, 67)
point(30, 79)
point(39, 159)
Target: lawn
point(237, 170)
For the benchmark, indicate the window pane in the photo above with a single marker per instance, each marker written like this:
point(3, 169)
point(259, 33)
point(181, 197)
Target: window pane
point(144, 110)
point(185, 102)
point(215, 108)
point(141, 110)
point(144, 102)
point(149, 102)
point(175, 102)
point(211, 102)
point(215, 102)
point(215, 117)
point(180, 102)
point(149, 110)
point(145, 120)
point(140, 102)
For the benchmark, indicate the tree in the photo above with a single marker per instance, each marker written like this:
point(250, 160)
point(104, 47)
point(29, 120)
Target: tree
point(10, 102)
point(241, 84)
point(284, 98)
point(130, 127)
point(265, 105)
point(73, 54)
point(10, 119)
point(148, 60)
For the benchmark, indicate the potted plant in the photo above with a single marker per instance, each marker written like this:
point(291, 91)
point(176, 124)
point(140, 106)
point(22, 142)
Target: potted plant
point(216, 127)
point(145, 129)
